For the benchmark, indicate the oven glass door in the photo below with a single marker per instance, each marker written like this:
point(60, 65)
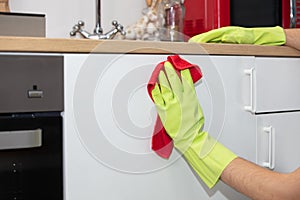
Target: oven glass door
point(31, 156)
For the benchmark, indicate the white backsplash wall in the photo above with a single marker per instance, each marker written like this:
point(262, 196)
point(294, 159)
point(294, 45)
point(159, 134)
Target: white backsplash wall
point(61, 15)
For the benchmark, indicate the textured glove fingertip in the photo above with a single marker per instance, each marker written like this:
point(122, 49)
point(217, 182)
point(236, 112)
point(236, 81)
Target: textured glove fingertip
point(187, 78)
point(174, 79)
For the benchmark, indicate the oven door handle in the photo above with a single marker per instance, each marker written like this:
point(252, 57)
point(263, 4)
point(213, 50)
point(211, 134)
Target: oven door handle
point(20, 139)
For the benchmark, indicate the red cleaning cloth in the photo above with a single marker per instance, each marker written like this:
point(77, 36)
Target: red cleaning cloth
point(162, 144)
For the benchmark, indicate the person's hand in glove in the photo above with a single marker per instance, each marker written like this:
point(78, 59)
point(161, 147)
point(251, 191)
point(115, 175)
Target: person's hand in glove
point(179, 110)
point(240, 35)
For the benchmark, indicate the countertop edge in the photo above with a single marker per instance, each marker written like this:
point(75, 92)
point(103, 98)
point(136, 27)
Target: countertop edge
point(62, 45)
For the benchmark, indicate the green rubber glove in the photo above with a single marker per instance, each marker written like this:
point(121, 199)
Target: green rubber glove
point(239, 35)
point(180, 112)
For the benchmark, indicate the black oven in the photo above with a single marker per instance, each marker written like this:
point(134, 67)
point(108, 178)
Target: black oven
point(31, 139)
point(264, 13)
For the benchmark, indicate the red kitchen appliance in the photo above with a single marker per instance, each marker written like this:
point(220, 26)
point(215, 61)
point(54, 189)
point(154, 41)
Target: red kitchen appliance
point(291, 13)
point(205, 15)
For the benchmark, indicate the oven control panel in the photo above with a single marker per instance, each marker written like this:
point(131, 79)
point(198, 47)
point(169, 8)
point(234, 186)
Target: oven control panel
point(31, 83)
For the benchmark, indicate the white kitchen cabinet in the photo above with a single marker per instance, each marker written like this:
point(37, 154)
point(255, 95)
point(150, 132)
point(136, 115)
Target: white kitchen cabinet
point(276, 84)
point(109, 118)
point(278, 137)
point(275, 101)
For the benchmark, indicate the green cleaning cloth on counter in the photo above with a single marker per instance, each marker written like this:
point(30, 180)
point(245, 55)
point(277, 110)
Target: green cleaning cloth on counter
point(240, 35)
point(181, 115)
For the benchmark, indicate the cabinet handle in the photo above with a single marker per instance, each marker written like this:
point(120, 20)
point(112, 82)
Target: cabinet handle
point(250, 73)
point(271, 147)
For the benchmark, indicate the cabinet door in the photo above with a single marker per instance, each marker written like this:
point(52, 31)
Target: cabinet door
point(278, 137)
point(109, 119)
point(228, 88)
point(277, 84)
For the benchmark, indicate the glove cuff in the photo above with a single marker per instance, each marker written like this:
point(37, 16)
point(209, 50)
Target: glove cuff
point(269, 36)
point(211, 166)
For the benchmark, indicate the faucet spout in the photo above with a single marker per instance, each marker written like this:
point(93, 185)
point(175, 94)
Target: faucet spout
point(98, 29)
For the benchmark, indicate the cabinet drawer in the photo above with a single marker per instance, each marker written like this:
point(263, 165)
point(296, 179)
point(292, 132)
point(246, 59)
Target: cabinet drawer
point(278, 137)
point(276, 85)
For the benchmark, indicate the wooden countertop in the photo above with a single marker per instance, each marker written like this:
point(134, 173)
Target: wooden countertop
point(60, 45)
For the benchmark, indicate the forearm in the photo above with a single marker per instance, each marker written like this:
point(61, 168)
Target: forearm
point(292, 37)
point(259, 183)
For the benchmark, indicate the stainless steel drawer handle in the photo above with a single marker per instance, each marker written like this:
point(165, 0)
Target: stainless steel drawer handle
point(35, 93)
point(20, 139)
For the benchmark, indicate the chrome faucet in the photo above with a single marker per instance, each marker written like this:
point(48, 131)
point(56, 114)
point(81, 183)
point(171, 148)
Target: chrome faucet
point(98, 31)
